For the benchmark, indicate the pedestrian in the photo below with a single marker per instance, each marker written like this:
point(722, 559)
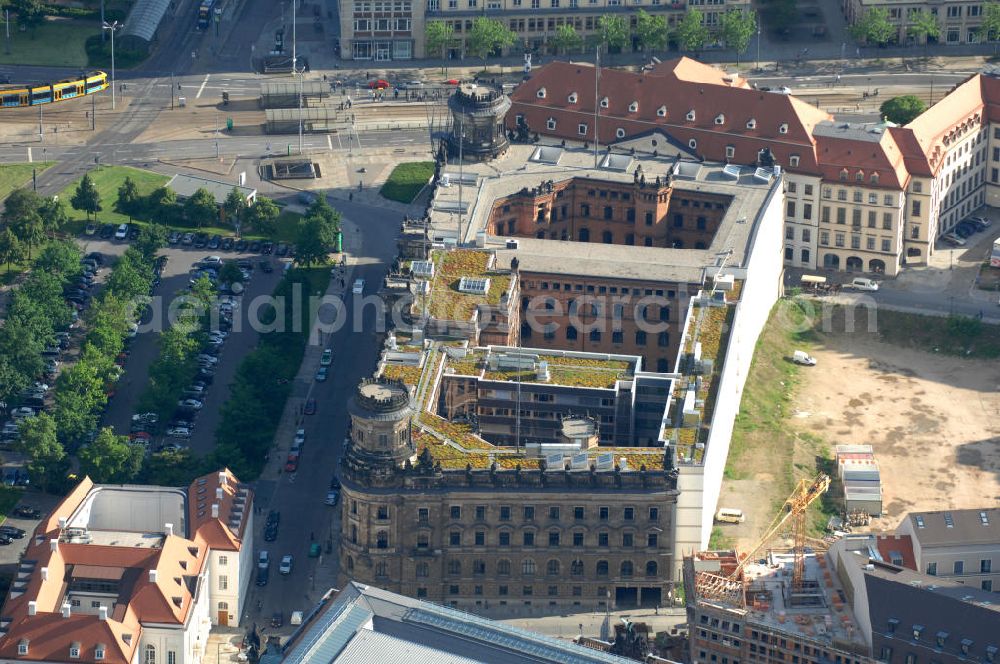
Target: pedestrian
point(311, 538)
point(350, 196)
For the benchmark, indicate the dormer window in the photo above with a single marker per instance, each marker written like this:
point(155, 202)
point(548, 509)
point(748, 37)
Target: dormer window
point(693, 144)
point(572, 98)
point(752, 123)
point(541, 93)
point(633, 107)
point(874, 178)
point(793, 161)
point(99, 651)
point(22, 647)
point(620, 133)
point(720, 119)
point(662, 111)
point(966, 646)
point(843, 175)
point(917, 631)
point(940, 638)
point(690, 115)
point(74, 650)
point(730, 151)
point(550, 123)
point(991, 654)
point(859, 176)
point(783, 128)
point(604, 102)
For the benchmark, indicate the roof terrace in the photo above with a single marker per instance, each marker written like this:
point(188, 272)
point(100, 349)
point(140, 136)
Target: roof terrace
point(462, 281)
point(545, 367)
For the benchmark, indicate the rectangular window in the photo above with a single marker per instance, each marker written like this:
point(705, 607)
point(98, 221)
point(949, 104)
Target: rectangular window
point(554, 538)
point(529, 538)
point(223, 560)
point(554, 513)
point(985, 566)
point(602, 513)
point(886, 245)
point(652, 540)
point(529, 512)
point(932, 569)
point(504, 538)
point(456, 511)
point(223, 582)
point(455, 538)
point(480, 512)
point(577, 539)
point(505, 512)
point(628, 539)
point(807, 211)
point(579, 513)
point(602, 539)
point(959, 567)
point(654, 513)
point(915, 209)
point(480, 538)
point(887, 221)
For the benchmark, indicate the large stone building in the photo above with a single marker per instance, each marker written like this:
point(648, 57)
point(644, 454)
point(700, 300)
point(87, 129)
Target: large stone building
point(857, 197)
point(395, 29)
point(959, 22)
point(128, 574)
point(962, 545)
point(545, 448)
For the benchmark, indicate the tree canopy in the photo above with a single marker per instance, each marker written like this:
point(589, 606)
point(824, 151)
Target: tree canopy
point(111, 458)
point(651, 30)
point(200, 209)
point(692, 35)
point(874, 27)
point(737, 28)
point(488, 35)
point(47, 460)
point(439, 36)
point(87, 198)
point(902, 110)
point(234, 206)
point(262, 215)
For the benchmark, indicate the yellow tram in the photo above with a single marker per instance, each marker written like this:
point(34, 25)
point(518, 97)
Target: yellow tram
point(85, 84)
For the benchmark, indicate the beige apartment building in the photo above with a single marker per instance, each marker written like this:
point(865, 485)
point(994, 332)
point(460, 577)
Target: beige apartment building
point(858, 197)
point(383, 30)
point(959, 21)
point(962, 545)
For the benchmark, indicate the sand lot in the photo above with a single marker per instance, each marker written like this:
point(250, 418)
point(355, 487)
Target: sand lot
point(933, 420)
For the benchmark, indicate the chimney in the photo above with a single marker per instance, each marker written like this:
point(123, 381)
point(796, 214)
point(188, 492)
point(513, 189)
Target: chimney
point(215, 510)
point(168, 528)
point(54, 544)
point(32, 607)
point(45, 574)
point(62, 523)
point(219, 493)
point(102, 613)
point(152, 576)
point(222, 478)
point(66, 610)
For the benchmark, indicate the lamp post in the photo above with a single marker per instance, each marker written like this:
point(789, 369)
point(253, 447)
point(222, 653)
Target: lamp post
point(757, 68)
point(112, 27)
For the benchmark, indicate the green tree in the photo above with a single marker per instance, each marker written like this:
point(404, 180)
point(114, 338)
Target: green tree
point(41, 297)
point(107, 323)
point(314, 242)
point(923, 26)
point(989, 29)
point(11, 250)
point(736, 29)
point(160, 198)
point(320, 208)
point(262, 215)
point(874, 27)
point(234, 206)
point(152, 238)
point(22, 216)
point(488, 36)
point(902, 110)
point(131, 276)
point(781, 15)
point(200, 209)
point(230, 273)
point(30, 13)
point(86, 197)
point(439, 36)
point(651, 30)
point(53, 214)
point(692, 35)
point(129, 201)
point(612, 32)
point(566, 39)
point(172, 468)
point(61, 258)
point(111, 458)
point(79, 394)
point(47, 460)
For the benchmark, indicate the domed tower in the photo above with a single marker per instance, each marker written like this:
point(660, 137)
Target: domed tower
point(380, 430)
point(478, 113)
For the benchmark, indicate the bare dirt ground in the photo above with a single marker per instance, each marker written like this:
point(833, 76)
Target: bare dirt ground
point(933, 420)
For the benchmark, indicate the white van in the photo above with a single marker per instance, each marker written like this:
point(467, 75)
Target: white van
point(864, 284)
point(359, 286)
point(122, 232)
point(729, 515)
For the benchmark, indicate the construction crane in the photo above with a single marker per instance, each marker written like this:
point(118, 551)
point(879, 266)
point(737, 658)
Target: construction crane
point(730, 587)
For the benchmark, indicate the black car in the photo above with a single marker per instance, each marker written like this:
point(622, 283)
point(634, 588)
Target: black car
point(95, 256)
point(174, 238)
point(281, 249)
point(5, 540)
point(255, 246)
point(271, 533)
point(27, 512)
point(200, 240)
point(241, 245)
point(265, 266)
point(214, 242)
point(133, 232)
point(334, 484)
point(205, 377)
point(273, 517)
point(267, 247)
point(262, 576)
point(226, 244)
point(107, 230)
point(11, 531)
point(277, 619)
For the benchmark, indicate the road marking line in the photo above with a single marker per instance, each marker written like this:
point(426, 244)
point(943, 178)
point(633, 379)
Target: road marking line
point(329, 142)
point(29, 155)
point(198, 96)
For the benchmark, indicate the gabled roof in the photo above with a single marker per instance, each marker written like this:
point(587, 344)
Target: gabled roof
point(955, 527)
point(225, 532)
point(693, 71)
point(932, 127)
point(860, 149)
point(49, 637)
point(896, 547)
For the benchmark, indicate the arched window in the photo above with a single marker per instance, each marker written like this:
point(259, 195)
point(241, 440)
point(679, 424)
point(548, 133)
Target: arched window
point(354, 534)
point(552, 567)
point(584, 235)
point(576, 568)
point(350, 563)
point(602, 568)
point(627, 569)
point(382, 540)
point(503, 567)
point(607, 237)
point(651, 568)
point(150, 654)
point(527, 566)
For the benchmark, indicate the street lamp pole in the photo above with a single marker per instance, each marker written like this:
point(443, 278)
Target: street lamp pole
point(757, 68)
point(6, 14)
point(112, 27)
point(295, 68)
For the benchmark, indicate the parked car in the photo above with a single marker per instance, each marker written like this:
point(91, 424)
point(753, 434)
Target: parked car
point(321, 375)
point(262, 576)
point(226, 244)
point(327, 358)
point(90, 229)
point(266, 248)
point(122, 233)
point(270, 532)
point(862, 284)
point(200, 240)
point(187, 239)
point(263, 559)
point(22, 412)
point(179, 432)
point(334, 483)
point(254, 246)
point(278, 619)
point(803, 358)
point(27, 512)
point(207, 359)
point(265, 267)
point(292, 463)
point(281, 249)
point(953, 240)
point(107, 231)
point(214, 242)
point(286, 564)
point(310, 408)
point(173, 238)
point(240, 245)
point(982, 222)
point(359, 287)
point(193, 404)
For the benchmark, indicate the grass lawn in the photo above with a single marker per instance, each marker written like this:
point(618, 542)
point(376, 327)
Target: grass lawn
point(406, 181)
point(56, 43)
point(13, 176)
point(8, 498)
point(108, 179)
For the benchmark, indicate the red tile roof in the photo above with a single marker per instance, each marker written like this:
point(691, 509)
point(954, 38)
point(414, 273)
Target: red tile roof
point(890, 546)
point(217, 532)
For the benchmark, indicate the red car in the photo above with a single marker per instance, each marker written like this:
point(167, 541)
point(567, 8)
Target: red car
point(292, 464)
point(380, 84)
point(310, 407)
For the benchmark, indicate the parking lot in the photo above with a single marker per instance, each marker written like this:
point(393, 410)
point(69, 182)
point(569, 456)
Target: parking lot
point(144, 348)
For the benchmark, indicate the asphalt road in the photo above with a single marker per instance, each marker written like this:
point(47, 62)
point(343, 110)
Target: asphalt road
point(300, 500)
point(144, 348)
